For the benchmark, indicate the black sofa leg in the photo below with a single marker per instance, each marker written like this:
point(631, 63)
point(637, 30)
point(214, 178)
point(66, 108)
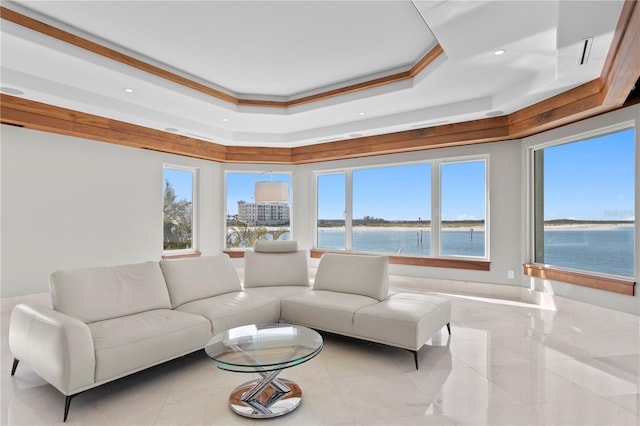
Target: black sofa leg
point(415, 358)
point(15, 365)
point(449, 328)
point(67, 404)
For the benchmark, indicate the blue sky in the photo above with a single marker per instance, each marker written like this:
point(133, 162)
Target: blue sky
point(591, 184)
point(591, 180)
point(240, 186)
point(181, 181)
point(404, 192)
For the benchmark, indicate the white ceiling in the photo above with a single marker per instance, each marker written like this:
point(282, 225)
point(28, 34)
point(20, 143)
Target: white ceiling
point(283, 50)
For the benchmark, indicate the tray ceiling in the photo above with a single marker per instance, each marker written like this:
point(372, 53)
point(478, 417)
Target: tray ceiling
point(257, 53)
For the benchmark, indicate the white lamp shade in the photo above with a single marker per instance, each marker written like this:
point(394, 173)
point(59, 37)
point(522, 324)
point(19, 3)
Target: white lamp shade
point(271, 191)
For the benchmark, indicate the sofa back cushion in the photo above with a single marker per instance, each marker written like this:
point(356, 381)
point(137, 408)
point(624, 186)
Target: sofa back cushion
point(355, 274)
point(199, 277)
point(272, 268)
point(275, 246)
point(96, 294)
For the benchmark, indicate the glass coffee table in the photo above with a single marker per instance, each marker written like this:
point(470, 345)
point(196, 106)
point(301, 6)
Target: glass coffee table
point(266, 349)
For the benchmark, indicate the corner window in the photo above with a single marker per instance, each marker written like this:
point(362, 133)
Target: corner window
point(584, 204)
point(248, 220)
point(179, 209)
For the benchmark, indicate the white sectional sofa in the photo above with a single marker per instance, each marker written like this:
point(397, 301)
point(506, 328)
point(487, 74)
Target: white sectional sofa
point(110, 322)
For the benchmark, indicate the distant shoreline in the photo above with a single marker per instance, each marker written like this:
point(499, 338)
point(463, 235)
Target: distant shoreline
point(547, 227)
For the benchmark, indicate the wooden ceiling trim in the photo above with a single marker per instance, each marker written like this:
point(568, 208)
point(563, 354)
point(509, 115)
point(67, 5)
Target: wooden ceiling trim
point(83, 43)
point(604, 94)
point(471, 132)
point(40, 116)
point(622, 66)
point(427, 59)
point(260, 155)
point(556, 111)
point(98, 49)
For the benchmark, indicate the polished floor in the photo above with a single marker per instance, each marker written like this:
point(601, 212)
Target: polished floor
point(506, 363)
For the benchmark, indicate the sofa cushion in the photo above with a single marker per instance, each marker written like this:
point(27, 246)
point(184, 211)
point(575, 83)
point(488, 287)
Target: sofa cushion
point(279, 291)
point(267, 269)
point(235, 309)
point(355, 274)
point(96, 294)
point(275, 246)
point(133, 342)
point(199, 277)
point(325, 310)
point(405, 320)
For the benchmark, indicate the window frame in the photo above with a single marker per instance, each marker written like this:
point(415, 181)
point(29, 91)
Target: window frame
point(593, 279)
point(194, 211)
point(433, 259)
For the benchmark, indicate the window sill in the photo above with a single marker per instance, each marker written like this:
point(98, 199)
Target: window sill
point(436, 262)
point(615, 285)
point(235, 254)
point(181, 255)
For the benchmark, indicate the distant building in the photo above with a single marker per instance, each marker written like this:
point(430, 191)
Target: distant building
point(264, 214)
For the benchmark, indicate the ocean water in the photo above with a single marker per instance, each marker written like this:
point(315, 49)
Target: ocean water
point(404, 241)
point(606, 251)
point(609, 251)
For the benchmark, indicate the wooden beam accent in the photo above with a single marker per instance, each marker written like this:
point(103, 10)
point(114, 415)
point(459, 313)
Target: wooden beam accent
point(259, 155)
point(470, 132)
point(39, 116)
point(435, 262)
point(573, 105)
point(427, 59)
point(615, 285)
point(622, 66)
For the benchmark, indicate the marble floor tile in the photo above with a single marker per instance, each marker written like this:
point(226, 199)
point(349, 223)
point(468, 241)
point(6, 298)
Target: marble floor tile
point(505, 363)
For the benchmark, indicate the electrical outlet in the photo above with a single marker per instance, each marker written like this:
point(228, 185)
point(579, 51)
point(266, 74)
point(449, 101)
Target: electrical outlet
point(510, 275)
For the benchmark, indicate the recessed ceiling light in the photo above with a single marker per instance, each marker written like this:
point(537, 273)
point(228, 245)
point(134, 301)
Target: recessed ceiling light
point(11, 91)
point(128, 90)
point(499, 52)
point(361, 113)
point(225, 119)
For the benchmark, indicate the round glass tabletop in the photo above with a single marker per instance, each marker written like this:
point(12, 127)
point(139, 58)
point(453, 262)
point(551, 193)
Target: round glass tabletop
point(263, 347)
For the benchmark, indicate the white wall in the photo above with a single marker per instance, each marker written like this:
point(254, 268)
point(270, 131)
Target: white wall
point(72, 203)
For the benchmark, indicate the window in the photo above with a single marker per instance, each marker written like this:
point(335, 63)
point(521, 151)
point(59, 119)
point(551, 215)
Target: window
point(584, 198)
point(248, 221)
point(179, 209)
point(392, 209)
point(463, 208)
point(331, 211)
point(395, 209)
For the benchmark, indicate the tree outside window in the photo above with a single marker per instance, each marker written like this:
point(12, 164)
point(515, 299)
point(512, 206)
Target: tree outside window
point(178, 209)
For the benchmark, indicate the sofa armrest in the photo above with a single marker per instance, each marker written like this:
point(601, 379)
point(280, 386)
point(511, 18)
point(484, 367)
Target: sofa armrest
point(58, 347)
